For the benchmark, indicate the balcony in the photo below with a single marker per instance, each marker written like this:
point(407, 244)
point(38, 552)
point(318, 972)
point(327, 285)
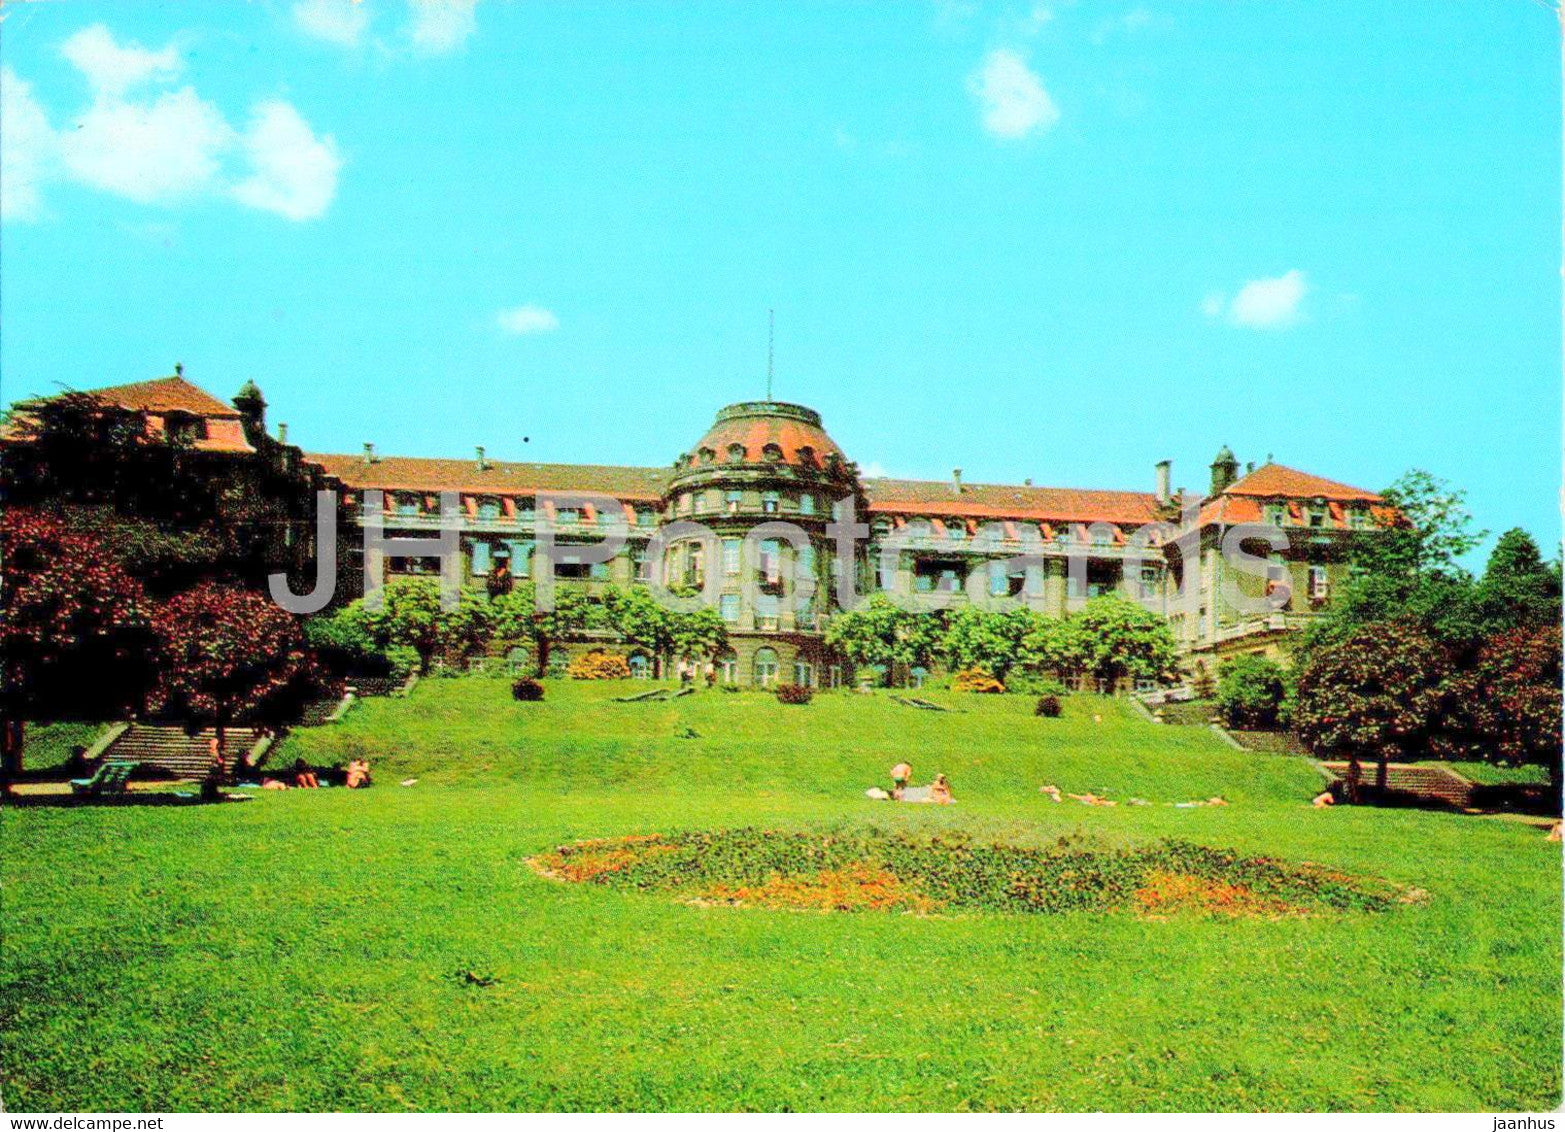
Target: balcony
point(1257, 626)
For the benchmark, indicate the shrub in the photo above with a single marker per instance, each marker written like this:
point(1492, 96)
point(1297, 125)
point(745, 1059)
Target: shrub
point(598, 665)
point(731, 687)
point(976, 680)
point(1048, 707)
point(794, 693)
point(402, 660)
point(1253, 692)
point(527, 690)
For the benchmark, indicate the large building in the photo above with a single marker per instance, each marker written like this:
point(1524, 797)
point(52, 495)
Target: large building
point(765, 482)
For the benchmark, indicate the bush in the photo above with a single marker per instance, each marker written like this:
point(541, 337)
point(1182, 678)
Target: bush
point(598, 665)
point(527, 691)
point(976, 680)
point(731, 687)
point(402, 660)
point(1048, 707)
point(794, 693)
point(1253, 693)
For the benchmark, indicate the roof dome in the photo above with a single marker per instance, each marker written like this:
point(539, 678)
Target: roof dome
point(764, 432)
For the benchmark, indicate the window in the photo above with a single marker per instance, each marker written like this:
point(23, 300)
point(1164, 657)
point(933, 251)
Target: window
point(1358, 518)
point(771, 564)
point(707, 455)
point(1102, 536)
point(1276, 514)
point(570, 566)
point(684, 504)
point(769, 502)
point(805, 567)
point(642, 564)
point(733, 499)
point(528, 512)
point(772, 453)
point(765, 667)
point(806, 455)
point(489, 509)
point(598, 571)
point(1317, 514)
point(1149, 582)
point(997, 584)
point(766, 611)
point(731, 556)
point(933, 575)
point(408, 505)
point(728, 606)
point(803, 672)
point(483, 556)
point(728, 667)
point(567, 515)
point(646, 517)
point(1319, 586)
point(521, 557)
point(695, 563)
point(806, 500)
point(1278, 588)
point(736, 453)
point(917, 675)
point(640, 666)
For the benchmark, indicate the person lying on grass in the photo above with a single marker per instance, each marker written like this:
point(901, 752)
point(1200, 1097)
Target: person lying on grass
point(358, 773)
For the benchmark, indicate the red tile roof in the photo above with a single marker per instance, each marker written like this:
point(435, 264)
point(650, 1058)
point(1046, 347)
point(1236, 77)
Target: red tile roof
point(410, 473)
point(165, 395)
point(754, 425)
point(1005, 501)
point(1277, 481)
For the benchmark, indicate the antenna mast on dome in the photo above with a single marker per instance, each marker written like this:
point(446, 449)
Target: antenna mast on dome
point(771, 335)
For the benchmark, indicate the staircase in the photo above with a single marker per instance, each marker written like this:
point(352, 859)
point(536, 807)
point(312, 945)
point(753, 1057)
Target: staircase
point(1432, 782)
point(176, 750)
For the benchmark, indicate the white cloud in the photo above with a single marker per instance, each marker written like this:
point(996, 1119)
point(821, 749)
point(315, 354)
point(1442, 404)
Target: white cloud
point(874, 470)
point(152, 152)
point(439, 26)
point(293, 172)
point(1011, 96)
point(110, 68)
point(1262, 304)
point(27, 149)
point(157, 147)
point(336, 21)
point(528, 320)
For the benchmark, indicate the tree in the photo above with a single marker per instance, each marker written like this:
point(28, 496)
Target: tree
point(1518, 589)
point(644, 622)
point(881, 634)
point(992, 640)
point(701, 633)
point(228, 655)
point(75, 630)
point(412, 616)
point(1506, 707)
point(1253, 692)
point(1112, 638)
point(1379, 694)
point(1408, 570)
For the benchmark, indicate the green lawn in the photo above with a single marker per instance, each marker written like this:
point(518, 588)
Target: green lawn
point(313, 950)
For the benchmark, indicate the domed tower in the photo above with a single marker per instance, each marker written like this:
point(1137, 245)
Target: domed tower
point(1225, 469)
point(764, 462)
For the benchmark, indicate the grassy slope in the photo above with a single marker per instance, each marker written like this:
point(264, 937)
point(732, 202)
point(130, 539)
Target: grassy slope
point(304, 950)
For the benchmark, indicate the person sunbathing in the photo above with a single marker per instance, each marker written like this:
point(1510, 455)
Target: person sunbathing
point(940, 791)
point(358, 773)
point(303, 776)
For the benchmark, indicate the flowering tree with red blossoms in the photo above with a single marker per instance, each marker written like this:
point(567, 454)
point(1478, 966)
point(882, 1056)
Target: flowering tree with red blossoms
point(1506, 707)
point(1378, 694)
point(74, 629)
point(229, 655)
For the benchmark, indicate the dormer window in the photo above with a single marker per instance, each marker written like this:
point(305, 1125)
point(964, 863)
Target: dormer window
point(736, 453)
point(707, 455)
point(772, 453)
point(806, 456)
point(1317, 513)
point(956, 530)
point(184, 428)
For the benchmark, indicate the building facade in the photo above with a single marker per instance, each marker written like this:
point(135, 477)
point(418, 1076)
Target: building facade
point(745, 516)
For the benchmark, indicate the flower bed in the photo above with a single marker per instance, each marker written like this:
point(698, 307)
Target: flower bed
point(853, 872)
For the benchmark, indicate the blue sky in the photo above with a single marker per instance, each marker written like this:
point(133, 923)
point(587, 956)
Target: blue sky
point(1050, 240)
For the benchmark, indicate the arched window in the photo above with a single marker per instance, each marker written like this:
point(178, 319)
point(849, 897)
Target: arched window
point(707, 455)
point(917, 675)
point(640, 666)
point(736, 453)
point(804, 673)
point(772, 452)
point(765, 667)
point(728, 667)
point(806, 456)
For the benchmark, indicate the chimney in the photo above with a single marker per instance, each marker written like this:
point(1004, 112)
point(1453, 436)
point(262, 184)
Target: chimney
point(483, 465)
point(369, 453)
point(1249, 466)
point(282, 432)
point(1164, 470)
point(956, 481)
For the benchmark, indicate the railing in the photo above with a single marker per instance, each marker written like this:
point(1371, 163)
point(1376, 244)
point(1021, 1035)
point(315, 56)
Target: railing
point(500, 524)
point(1271, 623)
